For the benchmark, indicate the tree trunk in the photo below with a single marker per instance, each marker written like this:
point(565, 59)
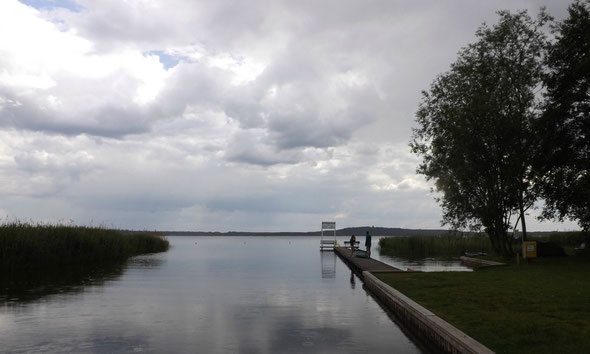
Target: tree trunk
point(507, 246)
point(502, 239)
point(499, 239)
point(494, 240)
point(495, 244)
point(522, 221)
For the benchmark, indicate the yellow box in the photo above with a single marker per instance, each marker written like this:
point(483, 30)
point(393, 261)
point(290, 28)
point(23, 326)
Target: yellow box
point(529, 249)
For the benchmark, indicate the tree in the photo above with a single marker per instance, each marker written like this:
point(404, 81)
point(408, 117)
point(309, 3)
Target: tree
point(563, 163)
point(474, 128)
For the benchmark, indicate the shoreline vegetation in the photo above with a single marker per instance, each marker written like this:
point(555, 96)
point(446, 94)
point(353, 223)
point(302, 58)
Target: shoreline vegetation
point(375, 231)
point(536, 307)
point(446, 245)
point(449, 245)
point(540, 307)
point(25, 246)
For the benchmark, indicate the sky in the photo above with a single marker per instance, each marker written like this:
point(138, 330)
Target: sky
point(225, 115)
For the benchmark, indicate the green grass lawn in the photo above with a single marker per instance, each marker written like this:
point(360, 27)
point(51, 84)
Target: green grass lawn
point(542, 307)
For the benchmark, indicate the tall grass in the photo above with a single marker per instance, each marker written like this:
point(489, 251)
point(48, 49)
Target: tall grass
point(564, 239)
point(26, 246)
point(434, 246)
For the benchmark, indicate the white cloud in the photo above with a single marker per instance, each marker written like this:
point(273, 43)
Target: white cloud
point(62, 85)
point(222, 115)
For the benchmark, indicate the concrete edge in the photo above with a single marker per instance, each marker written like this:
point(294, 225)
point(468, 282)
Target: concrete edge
point(476, 262)
point(425, 324)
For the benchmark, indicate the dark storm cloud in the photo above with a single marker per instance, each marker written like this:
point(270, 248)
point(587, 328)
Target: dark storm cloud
point(107, 121)
point(246, 147)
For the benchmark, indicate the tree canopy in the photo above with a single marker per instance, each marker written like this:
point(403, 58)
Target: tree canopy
point(563, 158)
point(474, 127)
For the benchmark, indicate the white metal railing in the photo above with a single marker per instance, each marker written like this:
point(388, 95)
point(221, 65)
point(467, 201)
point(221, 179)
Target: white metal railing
point(328, 244)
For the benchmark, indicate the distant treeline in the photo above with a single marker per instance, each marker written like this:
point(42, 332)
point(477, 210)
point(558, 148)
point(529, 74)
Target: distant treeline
point(375, 231)
point(361, 230)
point(26, 246)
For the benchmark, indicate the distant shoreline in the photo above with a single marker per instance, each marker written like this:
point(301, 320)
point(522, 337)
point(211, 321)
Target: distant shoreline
point(375, 231)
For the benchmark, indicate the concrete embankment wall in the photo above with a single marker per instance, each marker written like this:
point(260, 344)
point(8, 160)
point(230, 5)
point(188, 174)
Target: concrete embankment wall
point(423, 323)
point(479, 263)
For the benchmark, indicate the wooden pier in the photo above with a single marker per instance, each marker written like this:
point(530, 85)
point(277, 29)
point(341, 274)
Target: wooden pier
point(359, 265)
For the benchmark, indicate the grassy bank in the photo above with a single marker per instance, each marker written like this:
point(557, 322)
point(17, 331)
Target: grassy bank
point(542, 307)
point(434, 246)
point(25, 246)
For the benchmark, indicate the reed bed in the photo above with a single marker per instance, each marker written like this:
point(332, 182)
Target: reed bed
point(27, 246)
point(419, 246)
point(564, 239)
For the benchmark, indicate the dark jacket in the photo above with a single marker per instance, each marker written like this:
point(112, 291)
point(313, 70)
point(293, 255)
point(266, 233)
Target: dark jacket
point(368, 240)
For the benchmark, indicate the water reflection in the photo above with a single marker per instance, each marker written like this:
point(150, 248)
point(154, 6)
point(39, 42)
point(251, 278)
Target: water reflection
point(328, 262)
point(31, 285)
point(294, 338)
point(422, 265)
point(352, 281)
point(148, 261)
point(214, 295)
point(426, 264)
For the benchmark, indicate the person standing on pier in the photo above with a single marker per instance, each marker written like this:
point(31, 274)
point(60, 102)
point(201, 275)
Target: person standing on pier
point(368, 244)
point(352, 243)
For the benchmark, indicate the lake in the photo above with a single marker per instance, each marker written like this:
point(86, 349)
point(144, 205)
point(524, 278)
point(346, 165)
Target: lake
point(206, 294)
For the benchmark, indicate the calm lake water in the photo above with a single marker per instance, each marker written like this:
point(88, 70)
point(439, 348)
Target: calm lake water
point(206, 294)
point(423, 265)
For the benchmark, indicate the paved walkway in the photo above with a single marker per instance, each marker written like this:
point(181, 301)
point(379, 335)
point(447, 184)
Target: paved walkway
point(358, 264)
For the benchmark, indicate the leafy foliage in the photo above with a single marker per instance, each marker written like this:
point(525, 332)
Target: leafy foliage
point(563, 159)
point(474, 125)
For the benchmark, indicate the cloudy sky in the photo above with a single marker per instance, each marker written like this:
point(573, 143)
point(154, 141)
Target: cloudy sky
point(224, 115)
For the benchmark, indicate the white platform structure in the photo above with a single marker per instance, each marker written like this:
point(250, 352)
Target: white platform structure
point(328, 243)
